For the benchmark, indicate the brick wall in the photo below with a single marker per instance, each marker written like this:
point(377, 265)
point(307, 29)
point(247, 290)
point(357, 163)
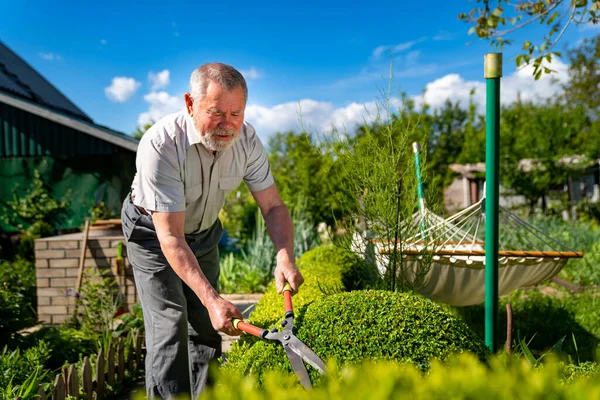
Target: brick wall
point(57, 269)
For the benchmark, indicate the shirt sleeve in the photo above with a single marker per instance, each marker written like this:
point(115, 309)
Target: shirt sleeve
point(160, 186)
point(258, 170)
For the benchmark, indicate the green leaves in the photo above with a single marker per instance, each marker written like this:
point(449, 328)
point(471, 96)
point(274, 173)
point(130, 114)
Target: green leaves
point(351, 327)
point(487, 22)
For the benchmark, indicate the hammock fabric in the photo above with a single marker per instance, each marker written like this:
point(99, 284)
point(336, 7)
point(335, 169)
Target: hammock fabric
point(452, 253)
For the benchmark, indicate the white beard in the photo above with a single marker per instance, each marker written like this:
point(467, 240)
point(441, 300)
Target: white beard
point(211, 140)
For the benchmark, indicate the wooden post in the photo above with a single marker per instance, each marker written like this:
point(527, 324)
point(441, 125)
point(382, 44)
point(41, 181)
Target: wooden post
point(110, 361)
point(41, 392)
point(100, 368)
point(59, 391)
point(72, 382)
point(86, 230)
point(86, 377)
point(121, 358)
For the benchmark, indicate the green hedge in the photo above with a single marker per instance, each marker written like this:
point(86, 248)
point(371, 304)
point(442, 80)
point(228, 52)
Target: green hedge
point(542, 320)
point(349, 327)
point(460, 377)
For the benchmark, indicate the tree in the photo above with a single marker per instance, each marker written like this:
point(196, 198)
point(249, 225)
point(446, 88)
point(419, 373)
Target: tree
point(534, 139)
point(583, 86)
point(140, 130)
point(300, 172)
point(489, 18)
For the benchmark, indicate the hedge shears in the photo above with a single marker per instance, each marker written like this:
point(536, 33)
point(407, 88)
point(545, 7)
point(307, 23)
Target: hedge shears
point(296, 351)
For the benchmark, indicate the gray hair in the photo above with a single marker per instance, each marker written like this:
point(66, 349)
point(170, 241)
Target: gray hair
point(225, 75)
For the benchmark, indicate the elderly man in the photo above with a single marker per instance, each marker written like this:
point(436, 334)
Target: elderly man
point(187, 163)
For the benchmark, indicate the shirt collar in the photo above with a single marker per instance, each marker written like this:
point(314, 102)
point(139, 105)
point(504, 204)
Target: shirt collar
point(193, 136)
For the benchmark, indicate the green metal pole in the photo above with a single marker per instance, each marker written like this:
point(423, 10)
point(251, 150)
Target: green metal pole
point(493, 73)
point(420, 191)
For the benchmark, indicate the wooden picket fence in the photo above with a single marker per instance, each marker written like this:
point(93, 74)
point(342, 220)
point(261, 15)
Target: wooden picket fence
point(109, 369)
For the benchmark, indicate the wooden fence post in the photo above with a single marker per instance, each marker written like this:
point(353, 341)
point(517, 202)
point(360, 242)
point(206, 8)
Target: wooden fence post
point(41, 392)
point(72, 382)
point(86, 377)
point(121, 358)
point(110, 361)
point(100, 368)
point(59, 391)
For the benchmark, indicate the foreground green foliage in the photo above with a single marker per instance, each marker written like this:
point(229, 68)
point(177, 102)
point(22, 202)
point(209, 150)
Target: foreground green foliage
point(462, 376)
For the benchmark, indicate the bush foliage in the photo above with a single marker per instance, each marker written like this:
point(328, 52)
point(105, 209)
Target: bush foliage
point(351, 326)
point(542, 320)
point(461, 376)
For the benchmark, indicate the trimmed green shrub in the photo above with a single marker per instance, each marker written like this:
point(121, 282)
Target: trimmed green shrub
point(326, 270)
point(351, 327)
point(462, 376)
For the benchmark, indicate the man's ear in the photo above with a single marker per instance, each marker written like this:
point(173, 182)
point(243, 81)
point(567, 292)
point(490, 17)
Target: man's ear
point(189, 104)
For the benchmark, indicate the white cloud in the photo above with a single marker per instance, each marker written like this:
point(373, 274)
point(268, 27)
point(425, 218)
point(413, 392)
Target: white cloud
point(396, 48)
point(161, 104)
point(160, 80)
point(319, 117)
point(103, 42)
point(50, 56)
point(313, 116)
point(520, 83)
point(251, 73)
point(121, 89)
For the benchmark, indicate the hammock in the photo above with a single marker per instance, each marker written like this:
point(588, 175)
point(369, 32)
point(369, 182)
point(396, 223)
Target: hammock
point(453, 250)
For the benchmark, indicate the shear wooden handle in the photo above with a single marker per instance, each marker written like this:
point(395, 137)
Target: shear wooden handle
point(287, 298)
point(249, 328)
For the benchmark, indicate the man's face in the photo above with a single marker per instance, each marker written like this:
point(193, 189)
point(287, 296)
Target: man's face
point(219, 116)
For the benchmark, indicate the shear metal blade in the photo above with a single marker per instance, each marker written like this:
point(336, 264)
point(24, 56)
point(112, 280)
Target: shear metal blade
point(298, 367)
point(308, 355)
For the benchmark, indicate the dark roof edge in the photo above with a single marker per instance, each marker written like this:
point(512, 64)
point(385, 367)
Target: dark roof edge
point(108, 135)
point(35, 71)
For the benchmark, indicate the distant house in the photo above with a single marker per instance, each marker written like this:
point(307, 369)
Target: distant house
point(467, 187)
point(41, 129)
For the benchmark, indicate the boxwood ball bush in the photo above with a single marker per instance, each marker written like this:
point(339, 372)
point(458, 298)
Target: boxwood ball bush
point(351, 327)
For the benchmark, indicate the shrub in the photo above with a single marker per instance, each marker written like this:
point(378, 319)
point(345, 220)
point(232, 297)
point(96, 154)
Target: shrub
point(462, 376)
point(543, 320)
point(66, 345)
point(351, 327)
point(15, 314)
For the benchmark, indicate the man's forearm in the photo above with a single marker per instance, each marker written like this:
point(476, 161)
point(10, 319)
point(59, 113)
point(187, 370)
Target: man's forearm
point(281, 231)
point(185, 265)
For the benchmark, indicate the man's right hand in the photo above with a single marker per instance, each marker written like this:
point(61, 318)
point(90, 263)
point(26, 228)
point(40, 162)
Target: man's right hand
point(221, 313)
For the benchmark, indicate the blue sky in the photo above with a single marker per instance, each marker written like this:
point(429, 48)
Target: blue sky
point(124, 63)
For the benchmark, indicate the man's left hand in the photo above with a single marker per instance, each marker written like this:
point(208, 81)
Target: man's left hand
point(287, 272)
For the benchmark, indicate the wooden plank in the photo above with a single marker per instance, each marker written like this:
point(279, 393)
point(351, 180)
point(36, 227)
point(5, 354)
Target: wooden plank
point(501, 253)
point(86, 377)
point(73, 382)
point(100, 374)
point(59, 391)
point(86, 230)
point(110, 362)
point(41, 393)
point(121, 358)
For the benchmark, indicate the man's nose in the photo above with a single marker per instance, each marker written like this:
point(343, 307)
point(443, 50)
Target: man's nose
point(226, 121)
